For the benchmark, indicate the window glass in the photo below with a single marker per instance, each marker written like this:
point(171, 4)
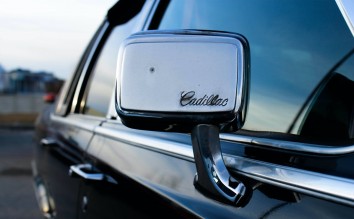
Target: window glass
point(294, 47)
point(329, 113)
point(102, 79)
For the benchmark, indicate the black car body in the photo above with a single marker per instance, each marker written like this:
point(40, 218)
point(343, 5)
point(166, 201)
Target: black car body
point(294, 152)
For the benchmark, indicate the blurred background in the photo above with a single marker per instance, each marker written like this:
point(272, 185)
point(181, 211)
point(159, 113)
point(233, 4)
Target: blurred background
point(41, 42)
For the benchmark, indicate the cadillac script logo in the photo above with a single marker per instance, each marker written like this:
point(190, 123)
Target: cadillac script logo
point(190, 99)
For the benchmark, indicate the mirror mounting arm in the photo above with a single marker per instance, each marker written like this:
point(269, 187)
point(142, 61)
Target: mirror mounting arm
point(212, 177)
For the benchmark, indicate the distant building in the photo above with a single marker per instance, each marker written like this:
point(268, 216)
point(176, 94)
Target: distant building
point(2, 79)
point(2, 70)
point(16, 81)
point(24, 81)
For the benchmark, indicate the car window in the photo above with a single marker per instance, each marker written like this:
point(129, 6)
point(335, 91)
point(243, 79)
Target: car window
point(68, 90)
point(102, 79)
point(296, 49)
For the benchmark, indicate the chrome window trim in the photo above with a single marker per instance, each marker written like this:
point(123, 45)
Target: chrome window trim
point(86, 66)
point(345, 7)
point(150, 15)
point(71, 121)
point(144, 20)
point(289, 145)
point(332, 188)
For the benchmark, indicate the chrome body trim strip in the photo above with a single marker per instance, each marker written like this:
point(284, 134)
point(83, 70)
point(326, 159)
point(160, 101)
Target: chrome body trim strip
point(151, 142)
point(311, 183)
point(73, 122)
point(289, 145)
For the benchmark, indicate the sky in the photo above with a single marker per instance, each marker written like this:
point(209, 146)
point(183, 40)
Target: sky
point(48, 35)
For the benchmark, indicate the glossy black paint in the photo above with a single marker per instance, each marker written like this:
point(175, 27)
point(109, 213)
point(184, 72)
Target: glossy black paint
point(152, 182)
point(172, 177)
point(53, 162)
point(130, 198)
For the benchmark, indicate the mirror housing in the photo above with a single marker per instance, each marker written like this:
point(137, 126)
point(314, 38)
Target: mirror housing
point(174, 80)
point(188, 81)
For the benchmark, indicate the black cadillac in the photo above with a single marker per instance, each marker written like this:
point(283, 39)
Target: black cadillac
point(205, 109)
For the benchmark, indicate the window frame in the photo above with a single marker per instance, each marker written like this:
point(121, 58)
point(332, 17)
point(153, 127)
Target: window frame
point(83, 86)
point(68, 96)
point(287, 142)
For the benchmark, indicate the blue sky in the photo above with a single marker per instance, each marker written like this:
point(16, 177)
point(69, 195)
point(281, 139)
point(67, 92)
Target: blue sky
point(47, 35)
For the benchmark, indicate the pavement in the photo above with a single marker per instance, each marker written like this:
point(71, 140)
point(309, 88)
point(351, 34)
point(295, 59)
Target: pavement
point(17, 120)
point(17, 197)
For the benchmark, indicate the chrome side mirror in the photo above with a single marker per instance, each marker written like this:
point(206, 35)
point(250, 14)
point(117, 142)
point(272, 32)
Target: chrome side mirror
point(187, 81)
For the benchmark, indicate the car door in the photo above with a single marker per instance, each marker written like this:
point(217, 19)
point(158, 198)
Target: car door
point(65, 130)
point(92, 97)
point(299, 115)
point(63, 135)
point(295, 150)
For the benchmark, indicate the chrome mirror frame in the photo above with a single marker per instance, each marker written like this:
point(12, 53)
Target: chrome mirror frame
point(231, 120)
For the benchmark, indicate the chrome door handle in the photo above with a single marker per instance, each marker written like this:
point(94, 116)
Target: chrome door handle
point(87, 172)
point(212, 175)
point(48, 142)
